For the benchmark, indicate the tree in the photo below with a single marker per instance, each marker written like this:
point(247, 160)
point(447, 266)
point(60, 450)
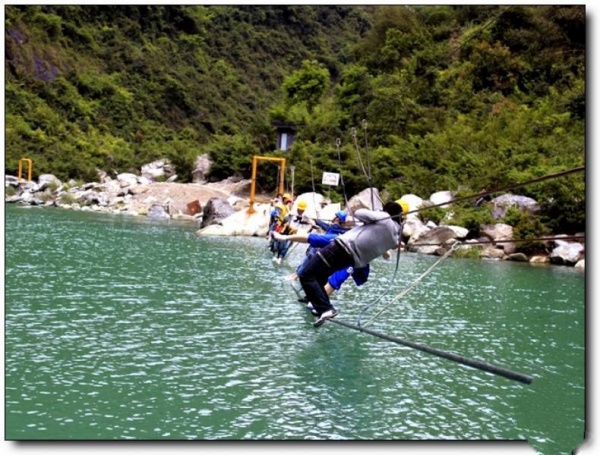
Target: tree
point(307, 84)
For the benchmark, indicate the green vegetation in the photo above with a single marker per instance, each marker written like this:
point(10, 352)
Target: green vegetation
point(529, 228)
point(68, 198)
point(454, 97)
point(466, 252)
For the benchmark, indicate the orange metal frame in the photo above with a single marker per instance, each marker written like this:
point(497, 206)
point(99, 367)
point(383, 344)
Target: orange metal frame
point(29, 168)
point(255, 161)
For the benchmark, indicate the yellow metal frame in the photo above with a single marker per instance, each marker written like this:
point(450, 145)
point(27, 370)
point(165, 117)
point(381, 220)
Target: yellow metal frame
point(29, 168)
point(255, 161)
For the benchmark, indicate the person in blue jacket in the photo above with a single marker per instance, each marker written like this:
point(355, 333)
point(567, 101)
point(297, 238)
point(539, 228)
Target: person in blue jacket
point(336, 226)
point(379, 232)
point(335, 281)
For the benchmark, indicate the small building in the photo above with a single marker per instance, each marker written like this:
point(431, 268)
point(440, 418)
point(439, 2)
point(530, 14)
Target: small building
point(285, 136)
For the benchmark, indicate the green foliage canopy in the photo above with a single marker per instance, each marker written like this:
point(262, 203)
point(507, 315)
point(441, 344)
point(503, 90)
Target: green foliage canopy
point(455, 97)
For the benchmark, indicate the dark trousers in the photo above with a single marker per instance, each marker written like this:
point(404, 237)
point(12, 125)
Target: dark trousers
point(282, 247)
point(318, 268)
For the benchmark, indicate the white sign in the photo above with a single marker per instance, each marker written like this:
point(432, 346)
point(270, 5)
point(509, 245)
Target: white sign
point(331, 178)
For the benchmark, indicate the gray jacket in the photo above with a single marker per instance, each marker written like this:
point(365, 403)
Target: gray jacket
point(378, 234)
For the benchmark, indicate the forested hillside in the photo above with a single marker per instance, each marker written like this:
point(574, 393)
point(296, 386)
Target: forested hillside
point(452, 97)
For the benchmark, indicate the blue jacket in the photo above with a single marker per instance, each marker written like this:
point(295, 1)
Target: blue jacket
point(331, 228)
point(360, 276)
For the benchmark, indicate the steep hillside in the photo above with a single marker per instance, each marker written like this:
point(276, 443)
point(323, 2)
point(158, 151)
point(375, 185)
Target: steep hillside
point(116, 86)
point(408, 99)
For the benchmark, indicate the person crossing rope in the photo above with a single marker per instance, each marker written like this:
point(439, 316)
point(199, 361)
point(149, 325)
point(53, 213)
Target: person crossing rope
point(335, 281)
point(355, 248)
point(288, 225)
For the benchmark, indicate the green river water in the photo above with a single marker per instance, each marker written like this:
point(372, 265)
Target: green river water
point(120, 328)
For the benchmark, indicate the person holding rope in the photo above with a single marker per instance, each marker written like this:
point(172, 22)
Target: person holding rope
point(340, 224)
point(485, 197)
point(278, 215)
point(337, 225)
point(289, 225)
point(335, 281)
point(356, 248)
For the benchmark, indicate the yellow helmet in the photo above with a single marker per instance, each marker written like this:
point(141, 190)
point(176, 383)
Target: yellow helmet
point(404, 205)
point(302, 205)
point(286, 197)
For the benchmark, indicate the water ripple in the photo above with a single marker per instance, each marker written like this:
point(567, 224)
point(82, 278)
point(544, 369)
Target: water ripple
point(118, 329)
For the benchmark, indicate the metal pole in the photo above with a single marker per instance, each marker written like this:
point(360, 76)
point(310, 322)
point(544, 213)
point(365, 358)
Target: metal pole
point(292, 168)
point(253, 185)
point(445, 354)
point(282, 175)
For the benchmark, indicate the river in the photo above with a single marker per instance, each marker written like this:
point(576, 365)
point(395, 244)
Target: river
point(120, 328)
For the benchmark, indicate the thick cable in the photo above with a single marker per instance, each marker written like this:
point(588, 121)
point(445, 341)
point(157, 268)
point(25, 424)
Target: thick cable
point(365, 172)
point(369, 175)
point(500, 190)
point(474, 363)
point(491, 242)
point(312, 178)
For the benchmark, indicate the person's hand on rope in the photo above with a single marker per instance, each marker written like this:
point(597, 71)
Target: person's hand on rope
point(279, 237)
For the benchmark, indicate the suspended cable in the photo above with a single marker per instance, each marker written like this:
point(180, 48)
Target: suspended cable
point(487, 242)
point(312, 178)
point(369, 175)
point(504, 189)
point(364, 125)
point(366, 172)
point(338, 143)
point(406, 290)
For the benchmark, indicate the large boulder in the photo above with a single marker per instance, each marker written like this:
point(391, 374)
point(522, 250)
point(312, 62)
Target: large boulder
point(241, 223)
point(500, 233)
point(414, 204)
point(215, 211)
point(413, 228)
point(523, 203)
point(153, 170)
point(48, 180)
point(367, 199)
point(430, 242)
point(126, 178)
point(158, 212)
point(201, 169)
point(441, 198)
point(567, 253)
point(11, 180)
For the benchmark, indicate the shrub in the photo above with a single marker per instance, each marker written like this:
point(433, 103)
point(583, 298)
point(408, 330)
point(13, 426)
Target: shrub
point(434, 214)
point(68, 198)
point(46, 196)
point(526, 226)
point(466, 252)
point(471, 218)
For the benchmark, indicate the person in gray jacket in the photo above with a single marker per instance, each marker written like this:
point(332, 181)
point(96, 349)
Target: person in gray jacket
point(379, 233)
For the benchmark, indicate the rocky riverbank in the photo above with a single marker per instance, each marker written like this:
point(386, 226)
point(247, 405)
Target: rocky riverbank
point(222, 208)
